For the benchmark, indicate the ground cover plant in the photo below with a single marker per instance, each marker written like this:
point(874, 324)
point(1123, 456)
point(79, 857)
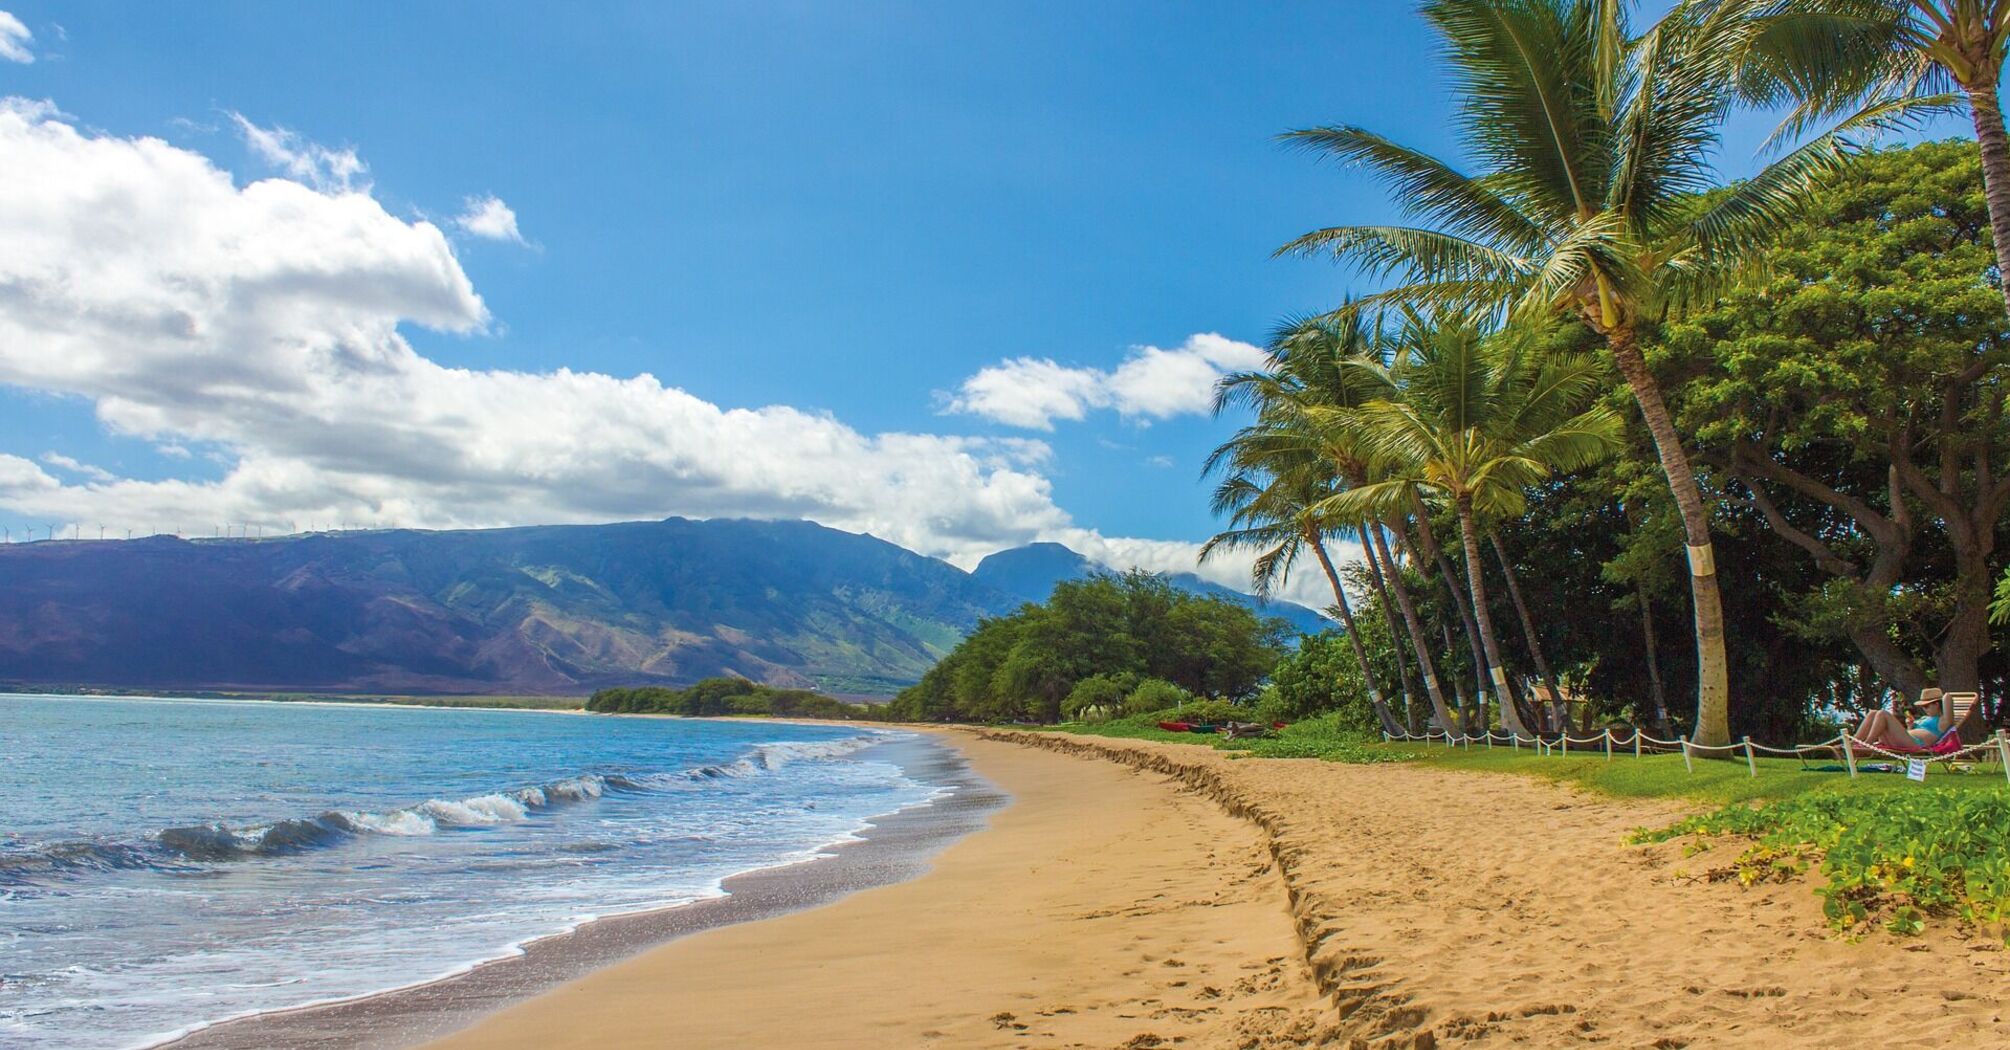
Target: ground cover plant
point(1899, 857)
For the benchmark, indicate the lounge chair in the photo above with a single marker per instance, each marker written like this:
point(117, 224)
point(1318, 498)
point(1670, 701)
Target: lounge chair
point(1965, 728)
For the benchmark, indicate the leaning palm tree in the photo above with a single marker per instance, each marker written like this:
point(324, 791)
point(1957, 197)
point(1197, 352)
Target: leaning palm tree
point(1307, 374)
point(1593, 146)
point(1268, 497)
point(1879, 62)
point(1476, 423)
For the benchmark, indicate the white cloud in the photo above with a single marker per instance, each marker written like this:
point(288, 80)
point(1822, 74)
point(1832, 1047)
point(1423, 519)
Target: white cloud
point(63, 462)
point(259, 324)
point(489, 218)
point(326, 169)
point(1151, 383)
point(1304, 585)
point(15, 39)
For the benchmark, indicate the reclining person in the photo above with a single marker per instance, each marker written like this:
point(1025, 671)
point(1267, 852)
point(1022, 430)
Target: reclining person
point(1886, 730)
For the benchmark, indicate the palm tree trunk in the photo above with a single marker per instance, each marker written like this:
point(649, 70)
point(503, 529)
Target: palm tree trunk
point(1354, 636)
point(1473, 714)
point(1476, 579)
point(1987, 111)
point(1559, 711)
point(1450, 576)
point(1713, 669)
point(1655, 691)
point(1396, 640)
point(1416, 628)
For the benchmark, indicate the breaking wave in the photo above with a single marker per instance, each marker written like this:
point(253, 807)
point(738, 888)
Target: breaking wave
point(180, 847)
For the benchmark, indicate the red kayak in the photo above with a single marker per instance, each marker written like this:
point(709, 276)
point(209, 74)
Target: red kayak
point(1176, 727)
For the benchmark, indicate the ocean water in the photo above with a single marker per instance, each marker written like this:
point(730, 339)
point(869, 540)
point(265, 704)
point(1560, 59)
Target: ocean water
point(169, 863)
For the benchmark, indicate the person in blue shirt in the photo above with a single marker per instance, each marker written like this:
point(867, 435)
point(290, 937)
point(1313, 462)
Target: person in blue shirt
point(1889, 731)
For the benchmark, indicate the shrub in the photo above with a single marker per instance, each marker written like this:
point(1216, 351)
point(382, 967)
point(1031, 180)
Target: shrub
point(1103, 692)
point(1154, 694)
point(1321, 677)
point(1216, 711)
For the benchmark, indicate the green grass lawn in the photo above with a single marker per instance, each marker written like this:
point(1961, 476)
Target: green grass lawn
point(1717, 781)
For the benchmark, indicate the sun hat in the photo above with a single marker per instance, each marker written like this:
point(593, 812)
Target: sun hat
point(1928, 695)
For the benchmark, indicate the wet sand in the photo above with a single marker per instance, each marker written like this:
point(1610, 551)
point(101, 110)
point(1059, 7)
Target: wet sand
point(896, 847)
point(1102, 908)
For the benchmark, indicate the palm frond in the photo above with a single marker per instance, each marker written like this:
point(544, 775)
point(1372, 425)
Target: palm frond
point(1425, 186)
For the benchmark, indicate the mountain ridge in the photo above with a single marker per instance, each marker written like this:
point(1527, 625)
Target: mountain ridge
point(542, 609)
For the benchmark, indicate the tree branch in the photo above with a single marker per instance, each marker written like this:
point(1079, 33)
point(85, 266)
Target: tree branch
point(1825, 556)
point(1748, 460)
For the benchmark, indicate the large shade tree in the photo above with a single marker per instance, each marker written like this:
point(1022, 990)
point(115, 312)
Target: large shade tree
point(1591, 146)
point(1857, 395)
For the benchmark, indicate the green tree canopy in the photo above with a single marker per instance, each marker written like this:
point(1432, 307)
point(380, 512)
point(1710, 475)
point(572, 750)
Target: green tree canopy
point(1028, 664)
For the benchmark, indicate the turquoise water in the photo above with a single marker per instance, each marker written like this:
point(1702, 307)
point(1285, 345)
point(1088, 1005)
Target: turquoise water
point(170, 863)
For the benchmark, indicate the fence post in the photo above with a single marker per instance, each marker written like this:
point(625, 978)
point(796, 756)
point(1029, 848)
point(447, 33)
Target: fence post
point(2003, 750)
point(1608, 743)
point(1849, 755)
point(1565, 737)
point(1490, 740)
point(1516, 737)
point(1636, 741)
point(1750, 762)
point(1687, 762)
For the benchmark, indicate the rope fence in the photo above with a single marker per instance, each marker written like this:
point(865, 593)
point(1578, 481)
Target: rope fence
point(1638, 744)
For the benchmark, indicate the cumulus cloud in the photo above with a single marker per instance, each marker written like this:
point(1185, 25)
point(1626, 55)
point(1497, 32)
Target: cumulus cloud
point(324, 168)
point(1150, 383)
point(489, 218)
point(15, 39)
point(259, 323)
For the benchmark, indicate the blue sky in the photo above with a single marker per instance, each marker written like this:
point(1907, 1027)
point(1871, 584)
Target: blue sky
point(849, 209)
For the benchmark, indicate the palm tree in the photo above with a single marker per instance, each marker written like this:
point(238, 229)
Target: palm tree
point(1308, 373)
point(1559, 710)
point(1883, 61)
point(1594, 146)
point(1269, 498)
point(1476, 422)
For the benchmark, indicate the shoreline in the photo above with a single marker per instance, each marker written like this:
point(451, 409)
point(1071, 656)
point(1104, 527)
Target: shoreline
point(891, 848)
point(1146, 894)
point(1104, 907)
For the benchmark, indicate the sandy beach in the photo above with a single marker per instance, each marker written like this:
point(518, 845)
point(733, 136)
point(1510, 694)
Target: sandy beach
point(1101, 908)
point(1138, 895)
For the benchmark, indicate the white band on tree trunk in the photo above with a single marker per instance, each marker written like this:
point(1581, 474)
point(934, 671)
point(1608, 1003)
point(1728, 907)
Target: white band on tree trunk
point(1432, 681)
point(1701, 561)
point(1500, 677)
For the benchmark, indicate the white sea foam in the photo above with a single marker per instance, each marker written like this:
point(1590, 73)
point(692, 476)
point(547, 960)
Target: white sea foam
point(376, 892)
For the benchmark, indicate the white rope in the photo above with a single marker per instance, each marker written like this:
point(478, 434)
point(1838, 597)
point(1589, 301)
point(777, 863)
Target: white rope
point(1643, 744)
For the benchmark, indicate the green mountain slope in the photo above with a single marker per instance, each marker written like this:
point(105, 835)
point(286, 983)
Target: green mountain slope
point(542, 609)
